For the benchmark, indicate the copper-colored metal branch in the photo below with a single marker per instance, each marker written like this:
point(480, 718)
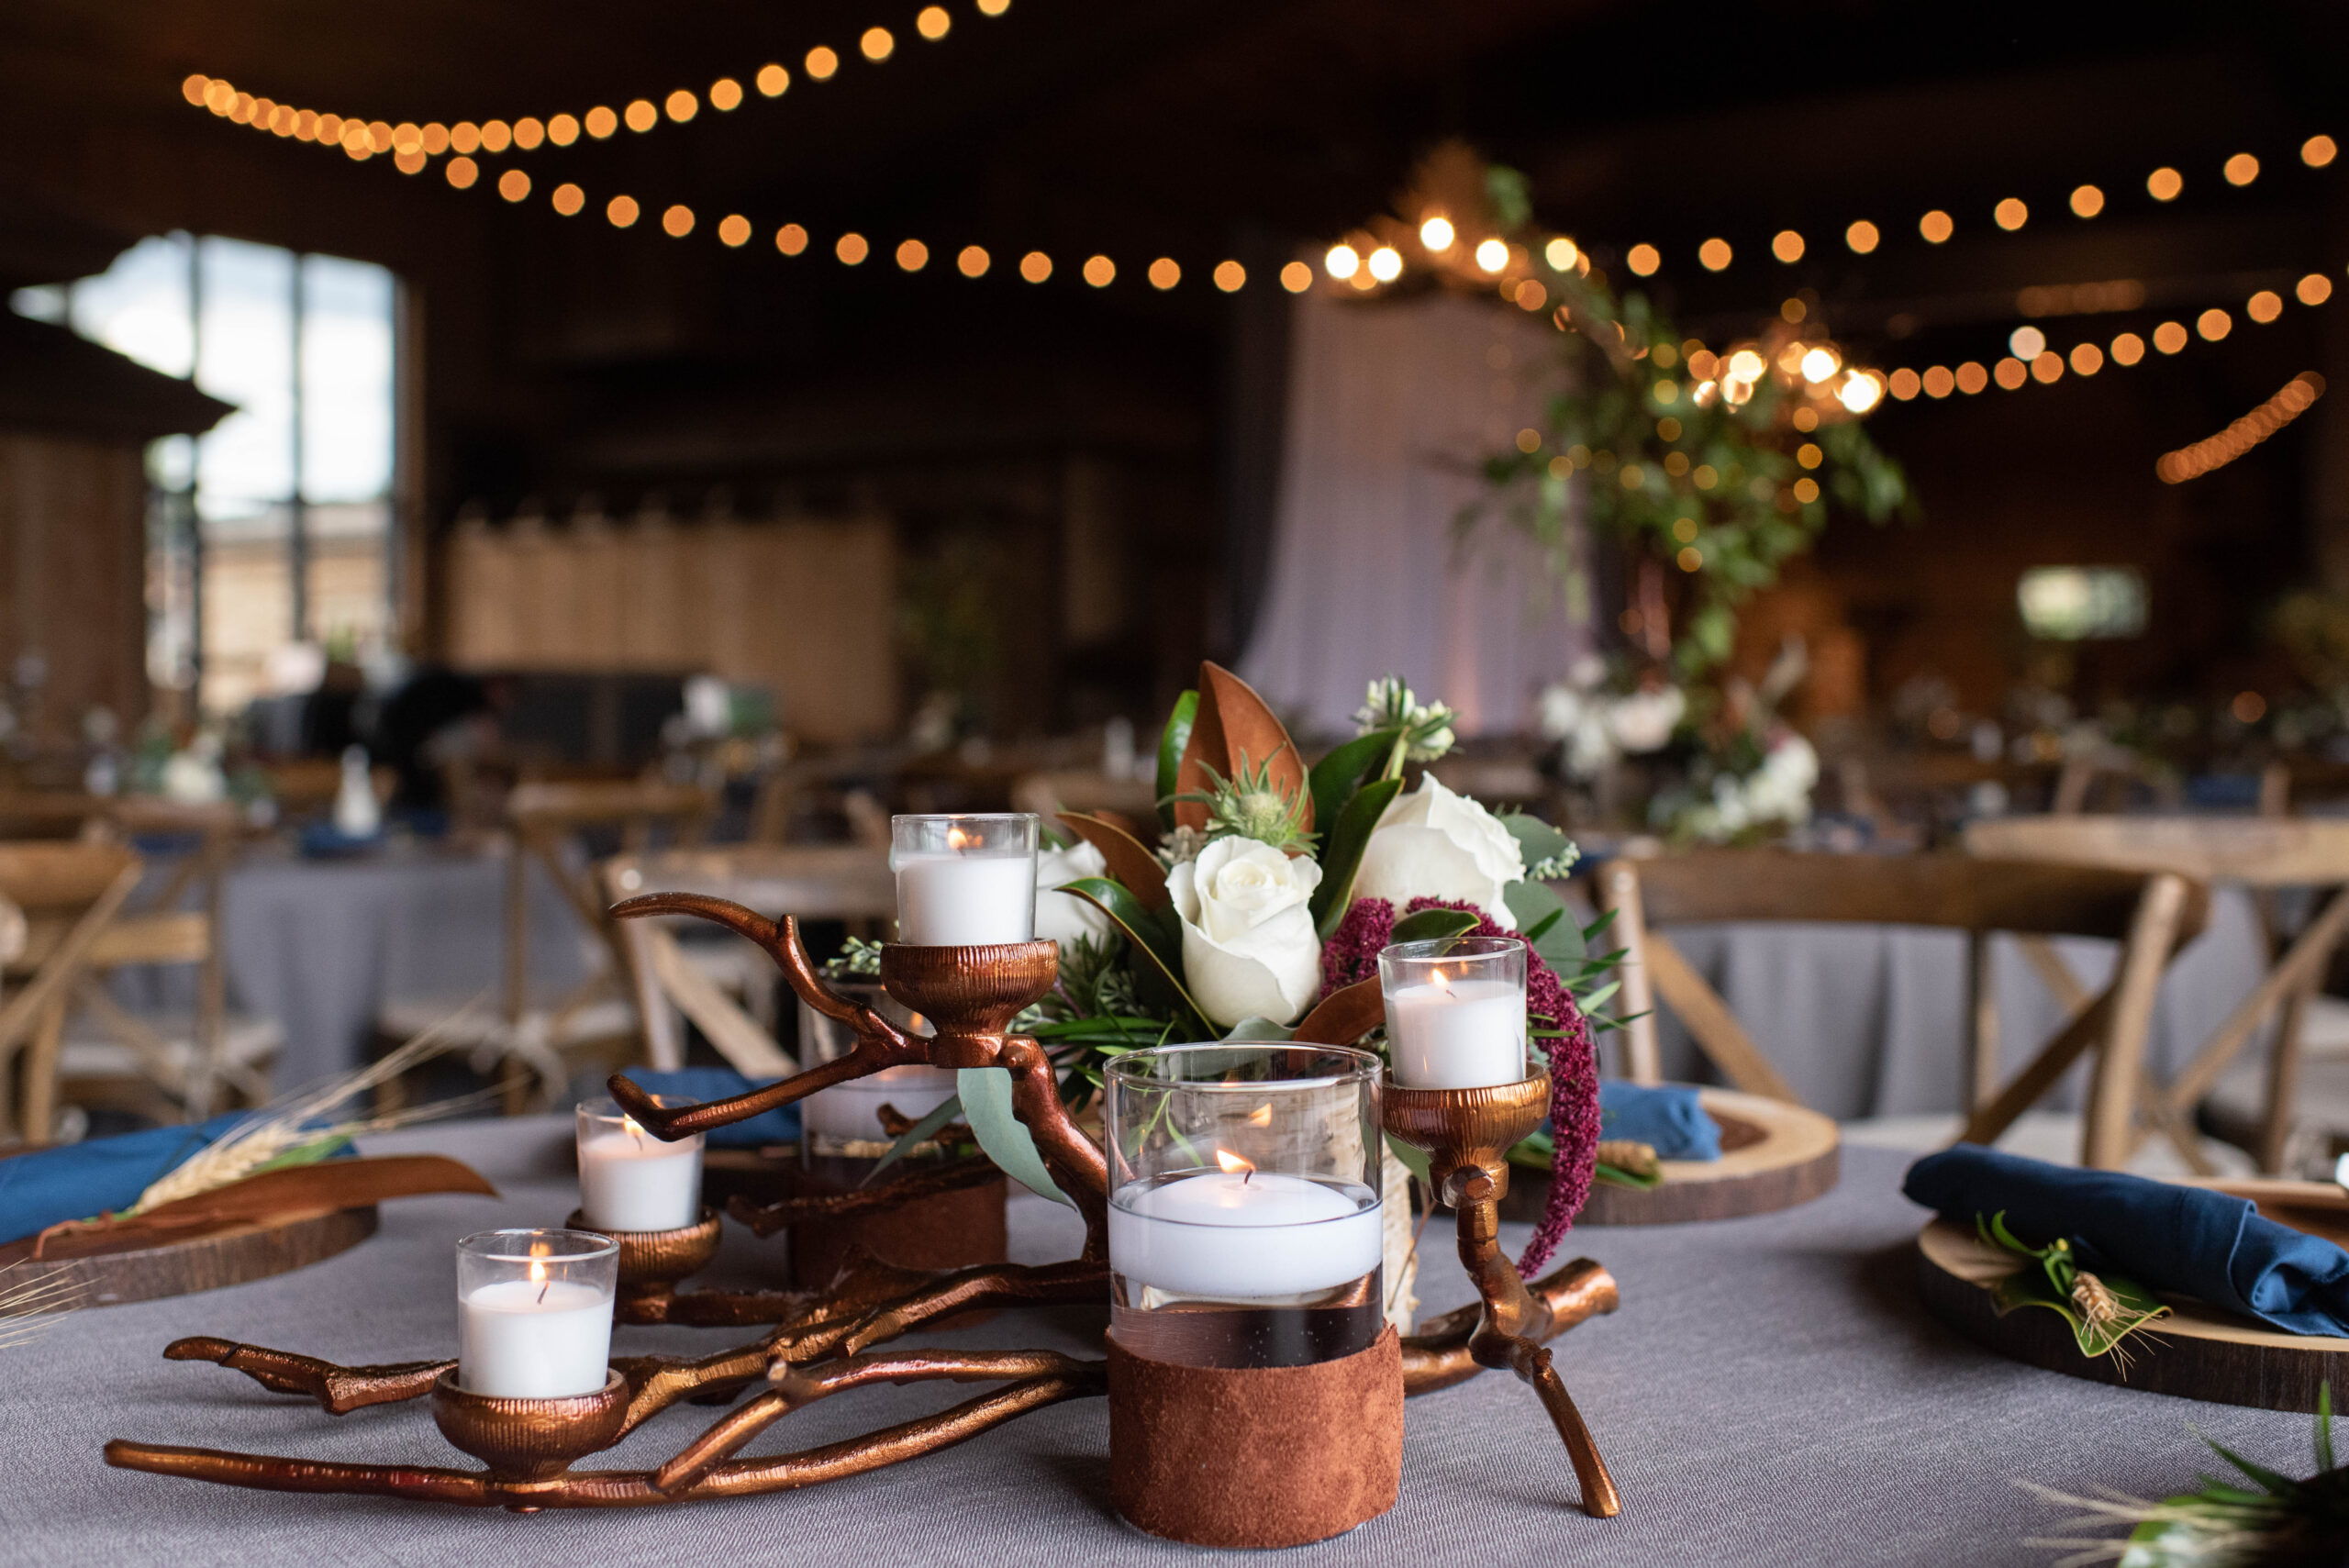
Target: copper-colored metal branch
point(879, 1043)
point(915, 1186)
point(794, 1389)
point(1076, 1163)
point(1438, 1355)
point(337, 1389)
point(618, 1489)
point(1078, 1281)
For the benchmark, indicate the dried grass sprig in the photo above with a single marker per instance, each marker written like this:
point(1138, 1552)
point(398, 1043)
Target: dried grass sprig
point(290, 1133)
point(31, 1304)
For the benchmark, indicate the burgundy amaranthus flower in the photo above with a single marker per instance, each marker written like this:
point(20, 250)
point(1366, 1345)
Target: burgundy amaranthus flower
point(1352, 954)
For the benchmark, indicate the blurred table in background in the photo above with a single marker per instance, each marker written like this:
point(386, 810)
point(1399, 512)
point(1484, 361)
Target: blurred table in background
point(1868, 1020)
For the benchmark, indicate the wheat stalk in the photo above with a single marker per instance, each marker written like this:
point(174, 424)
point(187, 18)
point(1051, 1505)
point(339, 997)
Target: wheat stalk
point(30, 1307)
point(274, 1131)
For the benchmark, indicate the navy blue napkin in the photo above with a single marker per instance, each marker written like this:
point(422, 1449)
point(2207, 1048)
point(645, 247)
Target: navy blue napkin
point(697, 1084)
point(2187, 1241)
point(1664, 1117)
point(81, 1181)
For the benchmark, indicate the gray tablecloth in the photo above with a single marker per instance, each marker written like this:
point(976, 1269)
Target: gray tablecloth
point(1770, 1393)
point(319, 946)
point(1869, 1020)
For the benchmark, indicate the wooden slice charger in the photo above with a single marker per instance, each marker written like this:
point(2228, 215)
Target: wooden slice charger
point(2201, 1352)
point(1774, 1156)
point(112, 1269)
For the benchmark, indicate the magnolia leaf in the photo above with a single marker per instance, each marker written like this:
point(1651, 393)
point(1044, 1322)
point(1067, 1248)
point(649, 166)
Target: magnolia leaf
point(1434, 925)
point(986, 1094)
point(1560, 941)
point(1146, 930)
point(921, 1132)
point(1258, 1028)
point(1345, 1015)
point(1171, 743)
point(1336, 775)
point(1235, 732)
point(1342, 852)
point(1127, 860)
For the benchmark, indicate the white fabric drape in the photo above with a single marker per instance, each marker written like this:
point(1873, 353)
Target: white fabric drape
point(1389, 406)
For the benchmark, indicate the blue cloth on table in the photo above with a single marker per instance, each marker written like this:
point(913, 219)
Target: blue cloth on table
point(2188, 1240)
point(80, 1181)
point(696, 1084)
point(1664, 1117)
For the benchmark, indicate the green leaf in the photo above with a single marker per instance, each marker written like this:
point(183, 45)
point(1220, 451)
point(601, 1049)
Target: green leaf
point(2269, 1480)
point(1149, 934)
point(308, 1153)
point(921, 1132)
point(1615, 1175)
point(1259, 1029)
point(1534, 903)
point(1334, 776)
point(1433, 925)
point(1536, 840)
point(986, 1094)
point(1342, 856)
point(1171, 743)
point(2324, 1424)
point(1414, 1160)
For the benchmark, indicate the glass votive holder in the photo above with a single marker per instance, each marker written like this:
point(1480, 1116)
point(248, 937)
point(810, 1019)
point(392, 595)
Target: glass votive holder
point(534, 1312)
point(1456, 1012)
point(964, 881)
point(844, 1120)
point(629, 1180)
point(1244, 1219)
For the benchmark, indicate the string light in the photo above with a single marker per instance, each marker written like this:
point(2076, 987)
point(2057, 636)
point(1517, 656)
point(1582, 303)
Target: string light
point(569, 199)
point(1100, 272)
point(852, 250)
point(2242, 169)
point(1492, 255)
point(972, 261)
point(1714, 255)
point(2316, 152)
point(2215, 451)
point(620, 211)
point(1035, 266)
point(1343, 259)
point(733, 230)
point(791, 239)
point(2086, 201)
point(2010, 215)
point(1862, 238)
point(1936, 226)
point(1786, 246)
point(676, 222)
point(1437, 233)
point(2163, 184)
point(1297, 277)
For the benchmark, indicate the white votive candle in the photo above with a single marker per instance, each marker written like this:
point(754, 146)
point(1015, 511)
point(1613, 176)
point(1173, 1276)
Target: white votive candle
point(952, 899)
point(629, 1180)
point(1242, 1235)
point(533, 1339)
point(1465, 1034)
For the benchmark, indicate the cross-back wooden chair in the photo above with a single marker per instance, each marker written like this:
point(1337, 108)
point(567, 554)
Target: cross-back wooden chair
point(553, 825)
point(816, 881)
point(2150, 916)
point(172, 1062)
point(69, 894)
point(2263, 854)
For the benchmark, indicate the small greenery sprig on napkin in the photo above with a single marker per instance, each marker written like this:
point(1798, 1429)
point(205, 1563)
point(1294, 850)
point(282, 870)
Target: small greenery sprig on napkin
point(2103, 1309)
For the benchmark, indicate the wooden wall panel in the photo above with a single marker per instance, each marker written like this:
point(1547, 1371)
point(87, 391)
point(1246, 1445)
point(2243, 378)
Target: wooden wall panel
point(801, 606)
point(73, 553)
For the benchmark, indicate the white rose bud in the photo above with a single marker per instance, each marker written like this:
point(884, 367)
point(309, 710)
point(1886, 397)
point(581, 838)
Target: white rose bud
point(1249, 948)
point(1062, 917)
point(1433, 843)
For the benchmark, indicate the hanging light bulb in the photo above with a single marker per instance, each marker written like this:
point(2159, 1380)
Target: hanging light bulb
point(1492, 255)
point(1436, 234)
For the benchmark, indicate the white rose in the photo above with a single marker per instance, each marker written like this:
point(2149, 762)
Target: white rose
point(1248, 951)
point(1062, 917)
point(1435, 845)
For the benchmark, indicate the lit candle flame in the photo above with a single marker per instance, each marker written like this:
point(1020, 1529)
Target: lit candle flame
point(1235, 1163)
point(958, 840)
point(538, 1270)
point(1436, 976)
point(628, 1125)
point(1261, 1116)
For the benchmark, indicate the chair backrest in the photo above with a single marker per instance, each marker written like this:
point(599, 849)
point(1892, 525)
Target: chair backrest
point(2259, 852)
point(69, 894)
point(839, 882)
point(2150, 916)
point(1050, 793)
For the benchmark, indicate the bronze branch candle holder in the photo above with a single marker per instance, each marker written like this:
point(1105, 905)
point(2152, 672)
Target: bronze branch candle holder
point(1466, 1135)
point(825, 1342)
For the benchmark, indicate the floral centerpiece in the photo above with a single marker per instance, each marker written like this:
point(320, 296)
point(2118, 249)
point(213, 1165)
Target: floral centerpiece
point(1255, 906)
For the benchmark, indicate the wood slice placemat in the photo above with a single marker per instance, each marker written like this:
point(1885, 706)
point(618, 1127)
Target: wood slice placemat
point(113, 1270)
point(1774, 1156)
point(2201, 1352)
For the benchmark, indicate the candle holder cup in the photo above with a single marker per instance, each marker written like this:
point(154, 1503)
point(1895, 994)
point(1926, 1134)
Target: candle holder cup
point(653, 1263)
point(1247, 1337)
point(530, 1440)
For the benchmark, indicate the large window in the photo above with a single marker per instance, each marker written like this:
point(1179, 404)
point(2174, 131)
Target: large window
point(274, 530)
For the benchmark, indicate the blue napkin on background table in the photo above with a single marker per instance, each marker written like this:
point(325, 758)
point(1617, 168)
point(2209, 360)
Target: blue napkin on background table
point(2188, 1240)
point(696, 1083)
point(78, 1181)
point(1664, 1117)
